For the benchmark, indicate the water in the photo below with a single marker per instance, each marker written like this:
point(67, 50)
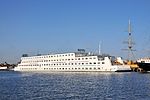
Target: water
point(74, 86)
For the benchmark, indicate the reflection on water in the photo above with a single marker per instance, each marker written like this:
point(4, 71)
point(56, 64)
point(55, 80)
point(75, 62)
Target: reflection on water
point(74, 86)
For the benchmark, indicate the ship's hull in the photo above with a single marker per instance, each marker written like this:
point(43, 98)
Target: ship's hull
point(116, 68)
point(144, 66)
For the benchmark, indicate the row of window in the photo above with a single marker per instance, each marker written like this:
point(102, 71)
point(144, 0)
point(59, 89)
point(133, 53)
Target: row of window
point(50, 56)
point(58, 60)
point(73, 68)
point(94, 63)
point(67, 68)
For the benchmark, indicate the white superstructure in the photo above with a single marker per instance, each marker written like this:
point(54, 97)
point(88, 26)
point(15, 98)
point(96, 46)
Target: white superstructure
point(66, 62)
point(144, 60)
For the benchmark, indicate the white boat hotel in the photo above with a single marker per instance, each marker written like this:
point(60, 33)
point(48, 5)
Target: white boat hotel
point(76, 62)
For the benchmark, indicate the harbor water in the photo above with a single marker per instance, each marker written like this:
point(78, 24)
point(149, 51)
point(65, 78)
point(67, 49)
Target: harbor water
point(74, 86)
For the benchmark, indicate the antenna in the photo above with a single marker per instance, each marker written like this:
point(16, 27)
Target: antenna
point(130, 43)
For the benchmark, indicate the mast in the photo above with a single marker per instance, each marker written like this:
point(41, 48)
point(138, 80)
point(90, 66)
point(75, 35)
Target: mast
point(99, 47)
point(130, 43)
point(129, 27)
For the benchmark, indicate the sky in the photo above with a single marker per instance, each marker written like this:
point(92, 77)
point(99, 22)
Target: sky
point(57, 26)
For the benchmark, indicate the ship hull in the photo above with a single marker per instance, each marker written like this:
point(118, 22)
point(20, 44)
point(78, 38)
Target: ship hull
point(121, 68)
point(144, 66)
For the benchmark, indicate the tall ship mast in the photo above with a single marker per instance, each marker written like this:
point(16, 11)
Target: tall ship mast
point(130, 43)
